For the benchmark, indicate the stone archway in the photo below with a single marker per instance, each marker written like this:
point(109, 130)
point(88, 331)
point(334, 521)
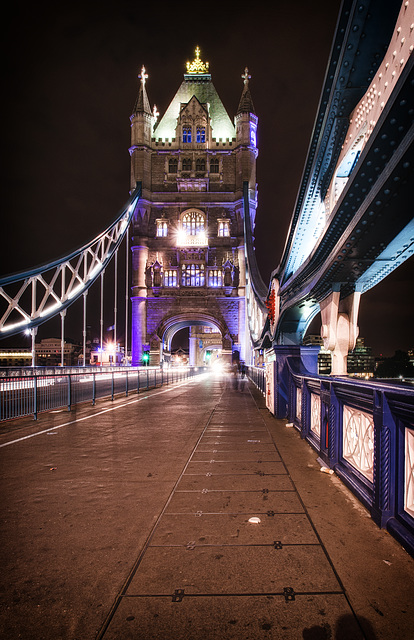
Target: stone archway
point(205, 331)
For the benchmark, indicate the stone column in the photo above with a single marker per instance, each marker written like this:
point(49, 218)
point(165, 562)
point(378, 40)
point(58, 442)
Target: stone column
point(339, 327)
point(139, 303)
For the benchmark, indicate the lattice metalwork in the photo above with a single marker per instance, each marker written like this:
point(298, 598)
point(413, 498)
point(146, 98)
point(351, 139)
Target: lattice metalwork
point(409, 472)
point(316, 414)
point(30, 298)
point(358, 440)
point(299, 403)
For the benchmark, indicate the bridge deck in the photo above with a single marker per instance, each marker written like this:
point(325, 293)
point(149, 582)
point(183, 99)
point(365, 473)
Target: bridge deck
point(131, 520)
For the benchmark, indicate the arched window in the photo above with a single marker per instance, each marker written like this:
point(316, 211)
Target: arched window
point(223, 228)
point(172, 165)
point(201, 165)
point(193, 223)
point(170, 278)
point(192, 275)
point(201, 134)
point(214, 165)
point(187, 164)
point(215, 278)
point(187, 133)
point(162, 229)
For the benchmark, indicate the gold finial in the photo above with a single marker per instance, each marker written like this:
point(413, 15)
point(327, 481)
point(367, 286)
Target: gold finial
point(197, 66)
point(246, 76)
point(143, 75)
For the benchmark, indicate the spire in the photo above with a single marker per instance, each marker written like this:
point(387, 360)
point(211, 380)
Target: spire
point(142, 104)
point(246, 102)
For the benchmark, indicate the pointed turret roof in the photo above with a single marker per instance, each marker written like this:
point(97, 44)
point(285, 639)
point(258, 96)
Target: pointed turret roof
point(246, 102)
point(142, 104)
point(197, 82)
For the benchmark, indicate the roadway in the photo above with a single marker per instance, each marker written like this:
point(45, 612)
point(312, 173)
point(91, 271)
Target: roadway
point(131, 520)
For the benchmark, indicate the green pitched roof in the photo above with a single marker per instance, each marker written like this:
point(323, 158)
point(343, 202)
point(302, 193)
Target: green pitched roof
point(203, 89)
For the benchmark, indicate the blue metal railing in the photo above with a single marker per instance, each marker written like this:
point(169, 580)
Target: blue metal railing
point(364, 432)
point(32, 394)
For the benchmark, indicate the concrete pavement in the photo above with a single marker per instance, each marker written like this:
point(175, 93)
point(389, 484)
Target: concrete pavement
point(132, 519)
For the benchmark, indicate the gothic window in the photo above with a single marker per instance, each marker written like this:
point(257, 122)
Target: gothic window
point(187, 164)
point(192, 275)
point(223, 228)
point(162, 229)
point(193, 223)
point(172, 165)
point(214, 165)
point(201, 134)
point(215, 278)
point(200, 164)
point(186, 133)
point(170, 278)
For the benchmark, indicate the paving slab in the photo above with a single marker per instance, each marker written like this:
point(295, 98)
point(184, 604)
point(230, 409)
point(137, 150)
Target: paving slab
point(234, 618)
point(234, 529)
point(234, 570)
point(222, 482)
point(228, 501)
point(235, 467)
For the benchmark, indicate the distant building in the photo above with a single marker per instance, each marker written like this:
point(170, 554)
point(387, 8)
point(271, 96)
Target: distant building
point(324, 356)
point(107, 356)
point(49, 353)
point(361, 362)
point(15, 358)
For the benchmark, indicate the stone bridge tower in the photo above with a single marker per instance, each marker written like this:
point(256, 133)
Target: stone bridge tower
point(188, 249)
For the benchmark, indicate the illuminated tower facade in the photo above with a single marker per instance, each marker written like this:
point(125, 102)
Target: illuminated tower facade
point(188, 250)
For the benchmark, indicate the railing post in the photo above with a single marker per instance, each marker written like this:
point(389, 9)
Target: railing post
point(93, 388)
point(137, 380)
point(126, 383)
point(69, 392)
point(35, 397)
point(112, 385)
point(384, 472)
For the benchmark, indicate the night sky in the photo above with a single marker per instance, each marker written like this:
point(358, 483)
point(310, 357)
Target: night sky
point(70, 84)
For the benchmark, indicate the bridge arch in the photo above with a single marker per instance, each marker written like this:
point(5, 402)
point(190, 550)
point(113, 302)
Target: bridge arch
point(200, 342)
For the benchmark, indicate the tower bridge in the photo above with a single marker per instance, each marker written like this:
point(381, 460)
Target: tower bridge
point(219, 463)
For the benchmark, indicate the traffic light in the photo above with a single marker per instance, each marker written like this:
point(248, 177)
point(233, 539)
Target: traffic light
point(145, 357)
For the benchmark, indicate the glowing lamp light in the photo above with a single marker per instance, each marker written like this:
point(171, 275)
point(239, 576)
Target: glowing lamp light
point(181, 237)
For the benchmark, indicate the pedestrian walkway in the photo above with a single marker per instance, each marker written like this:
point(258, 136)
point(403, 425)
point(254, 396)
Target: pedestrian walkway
point(189, 513)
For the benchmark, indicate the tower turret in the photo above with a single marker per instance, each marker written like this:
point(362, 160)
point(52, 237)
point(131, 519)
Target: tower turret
point(142, 121)
point(246, 134)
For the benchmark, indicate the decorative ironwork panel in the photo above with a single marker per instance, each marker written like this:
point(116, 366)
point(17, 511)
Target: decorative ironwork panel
point(299, 403)
point(316, 414)
point(409, 472)
point(358, 440)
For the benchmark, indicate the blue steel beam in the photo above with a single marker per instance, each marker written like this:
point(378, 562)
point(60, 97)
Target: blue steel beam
point(369, 232)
